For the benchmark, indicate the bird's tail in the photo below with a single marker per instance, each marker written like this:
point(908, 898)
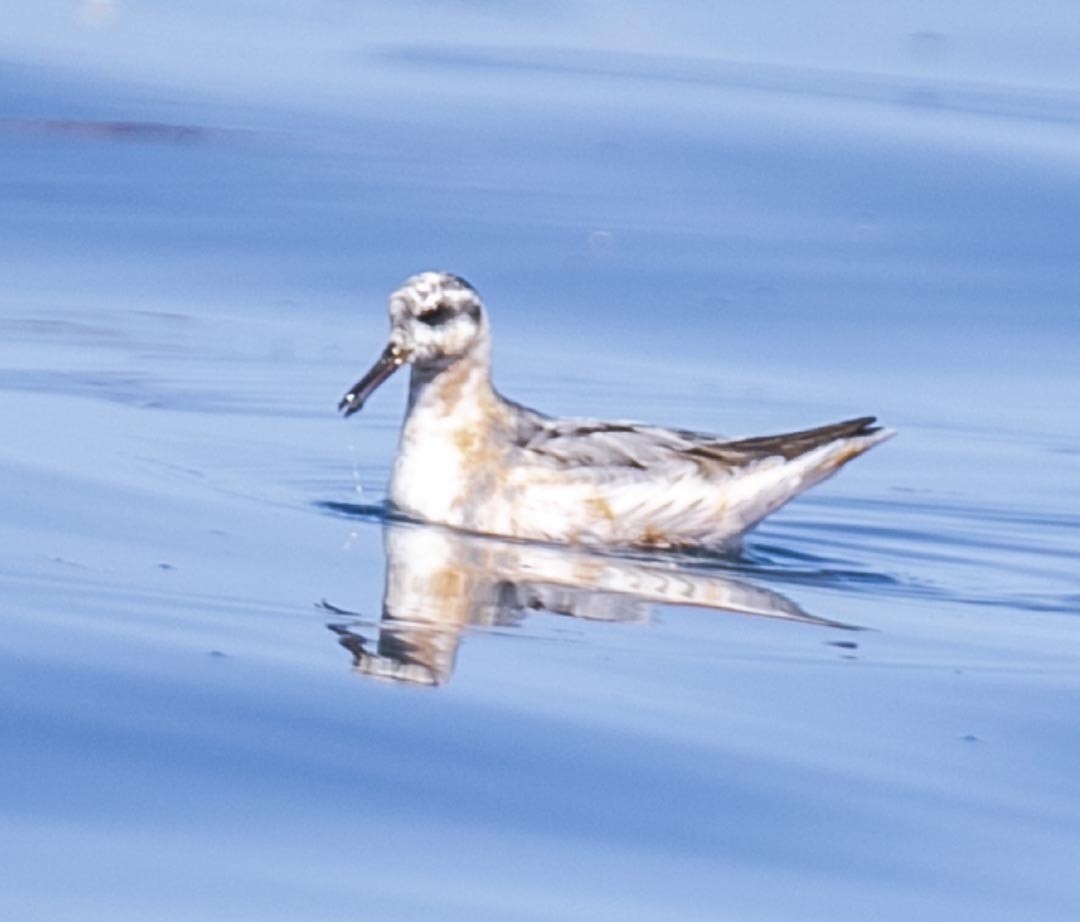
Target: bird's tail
point(810, 457)
point(791, 445)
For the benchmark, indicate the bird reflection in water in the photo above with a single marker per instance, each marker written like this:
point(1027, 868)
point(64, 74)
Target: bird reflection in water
point(438, 582)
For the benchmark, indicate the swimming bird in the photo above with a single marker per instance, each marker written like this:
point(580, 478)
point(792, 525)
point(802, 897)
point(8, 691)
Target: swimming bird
point(471, 459)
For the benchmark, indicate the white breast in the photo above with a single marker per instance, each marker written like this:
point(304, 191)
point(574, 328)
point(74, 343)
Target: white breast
point(430, 478)
point(446, 456)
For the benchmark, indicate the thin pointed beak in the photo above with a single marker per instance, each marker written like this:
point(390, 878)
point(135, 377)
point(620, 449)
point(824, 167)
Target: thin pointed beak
point(392, 358)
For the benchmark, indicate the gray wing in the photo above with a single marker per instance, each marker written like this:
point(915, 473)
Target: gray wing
point(592, 443)
point(628, 445)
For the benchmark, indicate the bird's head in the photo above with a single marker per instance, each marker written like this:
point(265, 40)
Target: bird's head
point(435, 319)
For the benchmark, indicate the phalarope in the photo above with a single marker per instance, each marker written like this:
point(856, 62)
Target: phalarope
point(471, 459)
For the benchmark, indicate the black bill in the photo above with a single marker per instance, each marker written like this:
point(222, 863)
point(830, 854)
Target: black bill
point(387, 363)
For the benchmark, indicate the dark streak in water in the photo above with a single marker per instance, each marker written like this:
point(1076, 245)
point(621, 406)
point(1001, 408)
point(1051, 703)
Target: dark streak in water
point(997, 100)
point(111, 131)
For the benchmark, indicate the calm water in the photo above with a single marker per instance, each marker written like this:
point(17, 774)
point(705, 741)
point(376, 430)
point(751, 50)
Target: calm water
point(231, 690)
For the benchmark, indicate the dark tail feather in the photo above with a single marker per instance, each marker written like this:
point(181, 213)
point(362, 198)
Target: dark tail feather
point(792, 444)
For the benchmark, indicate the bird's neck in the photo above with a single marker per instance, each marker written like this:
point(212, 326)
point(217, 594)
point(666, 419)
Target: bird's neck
point(457, 387)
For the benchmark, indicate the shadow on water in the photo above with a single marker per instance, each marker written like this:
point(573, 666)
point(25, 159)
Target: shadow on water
point(440, 581)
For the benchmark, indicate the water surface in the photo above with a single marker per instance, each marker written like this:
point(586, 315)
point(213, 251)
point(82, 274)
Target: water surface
point(232, 690)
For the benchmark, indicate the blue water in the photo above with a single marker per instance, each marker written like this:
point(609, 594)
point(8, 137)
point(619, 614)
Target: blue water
point(218, 700)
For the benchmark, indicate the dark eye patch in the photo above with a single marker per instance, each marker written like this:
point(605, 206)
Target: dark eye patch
point(436, 316)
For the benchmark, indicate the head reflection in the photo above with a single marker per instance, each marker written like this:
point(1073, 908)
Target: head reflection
point(439, 581)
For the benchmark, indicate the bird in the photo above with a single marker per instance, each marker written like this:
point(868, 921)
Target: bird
point(472, 459)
